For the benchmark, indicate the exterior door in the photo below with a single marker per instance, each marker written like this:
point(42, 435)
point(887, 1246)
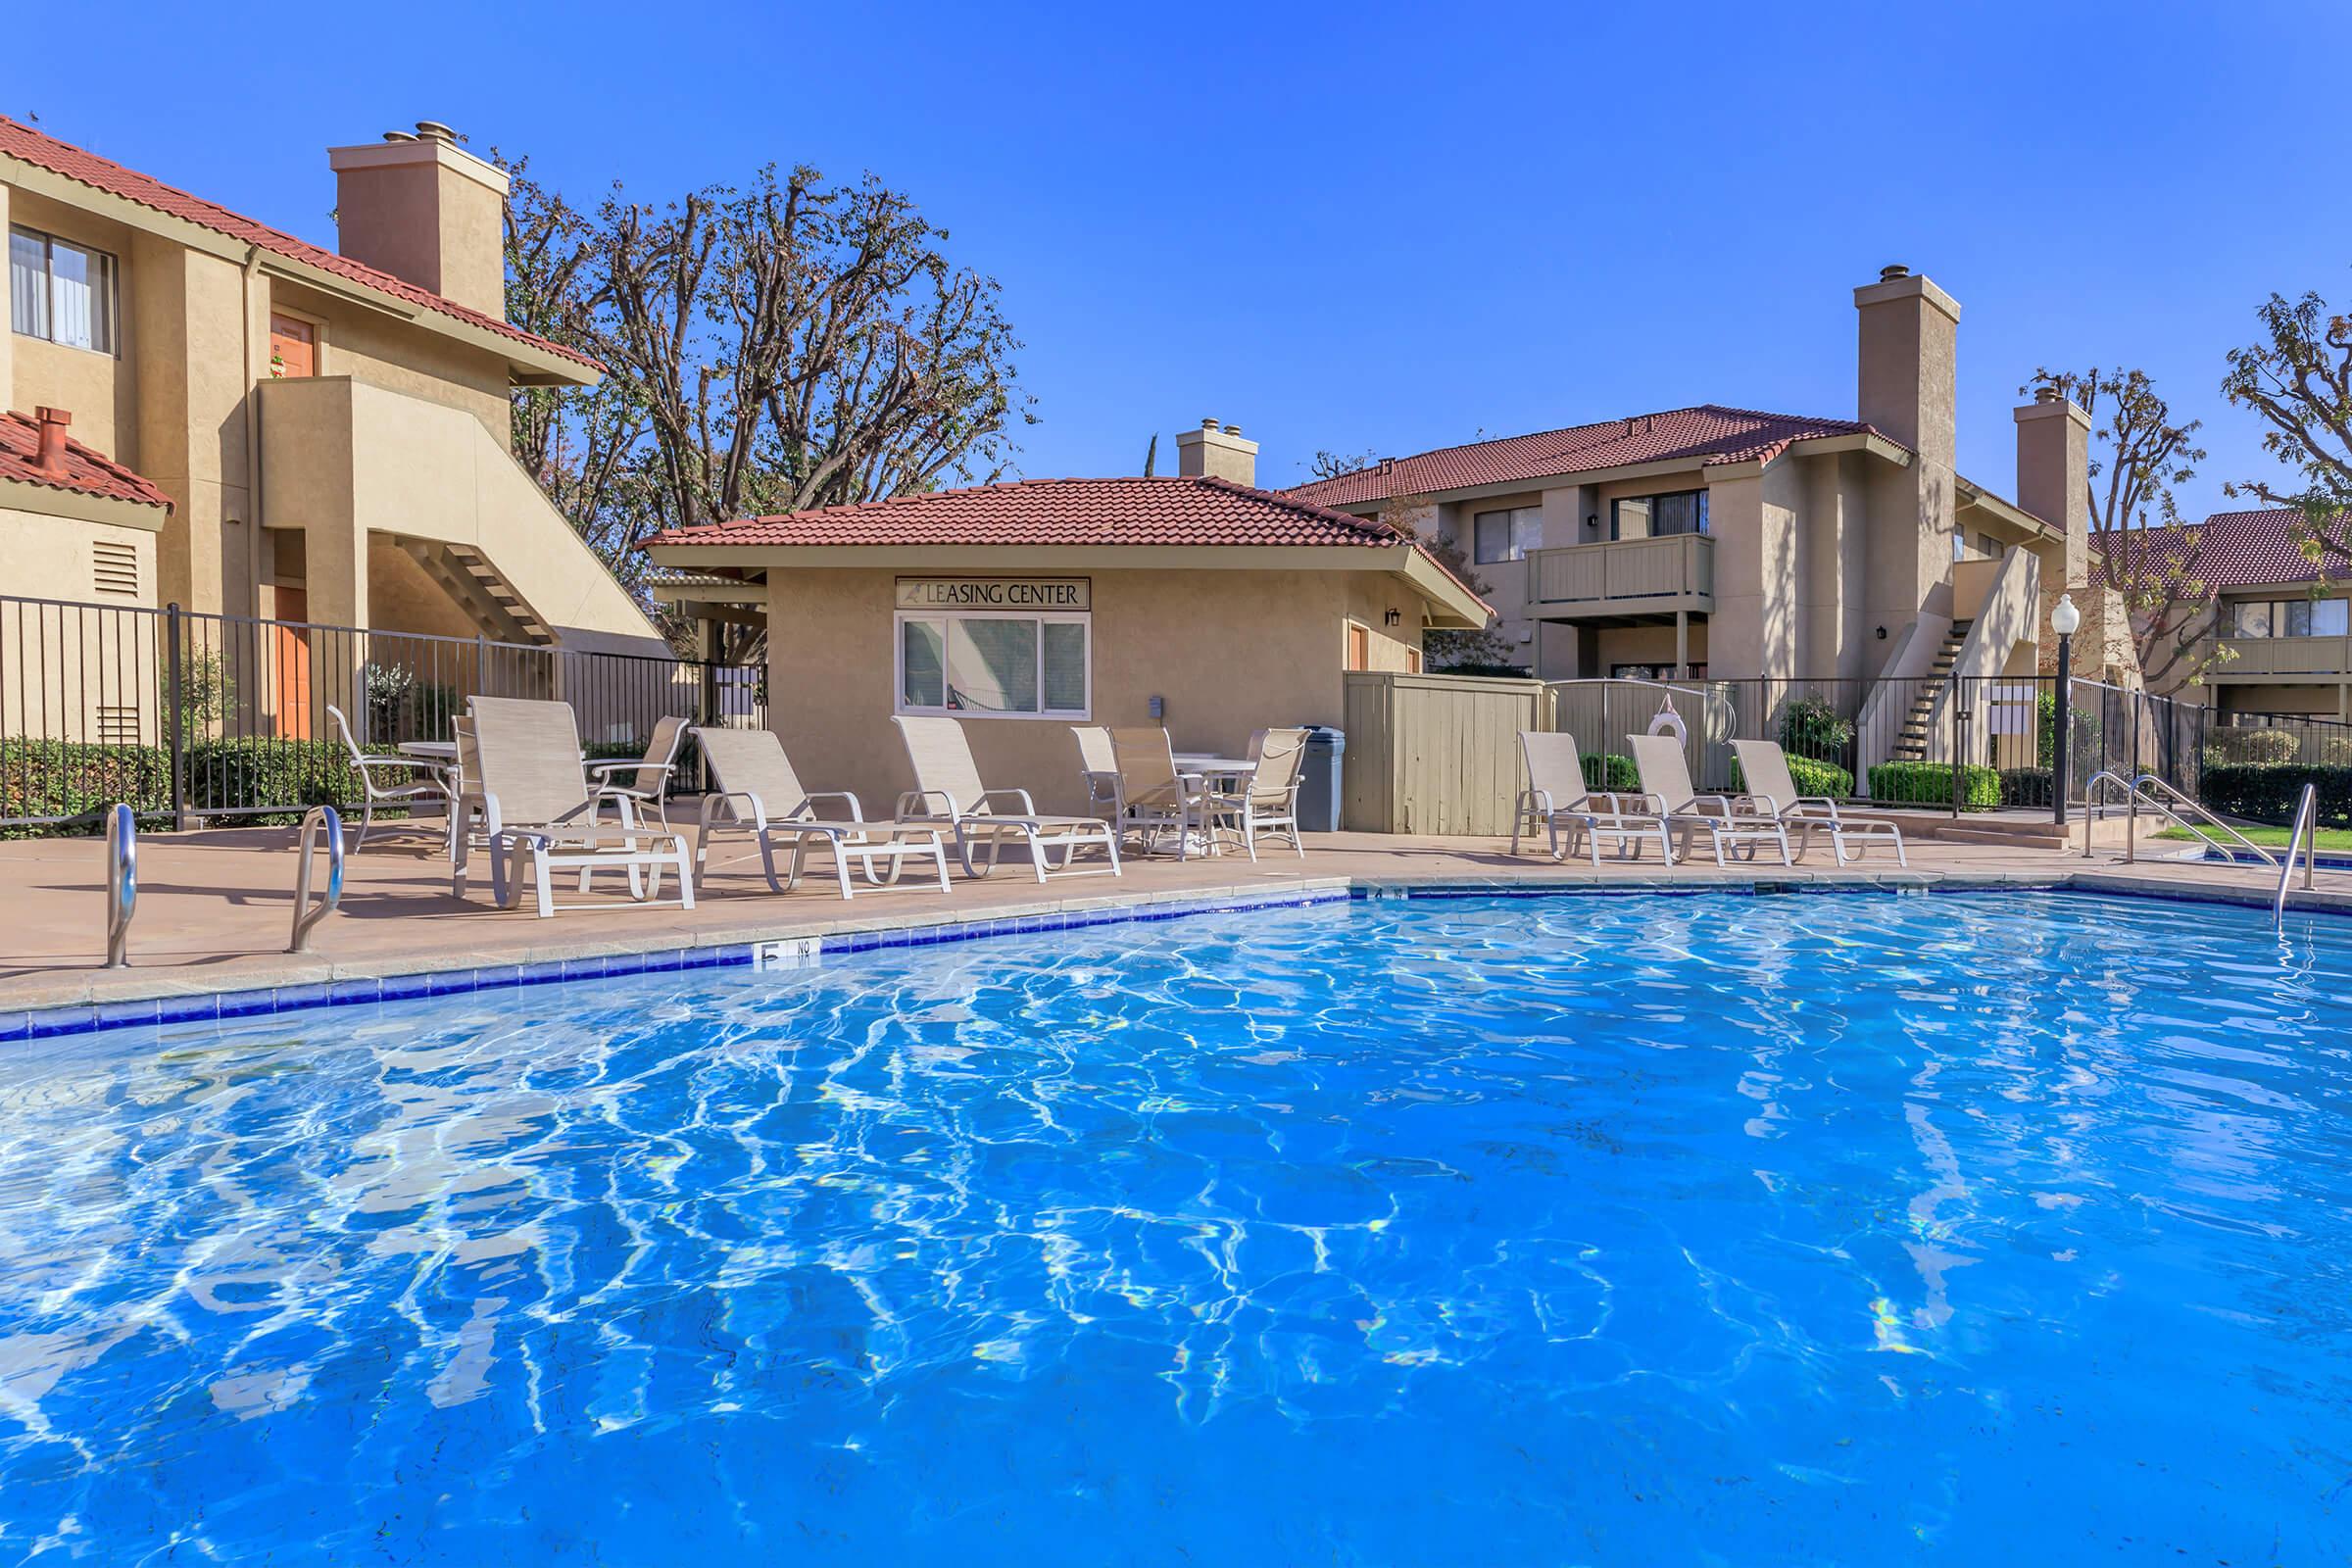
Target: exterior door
point(1359, 647)
point(293, 347)
point(290, 665)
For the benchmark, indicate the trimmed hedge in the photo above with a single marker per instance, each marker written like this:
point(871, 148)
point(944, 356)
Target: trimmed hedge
point(231, 775)
point(1611, 773)
point(2027, 786)
point(2254, 748)
point(77, 778)
point(1809, 775)
point(2270, 793)
point(1931, 784)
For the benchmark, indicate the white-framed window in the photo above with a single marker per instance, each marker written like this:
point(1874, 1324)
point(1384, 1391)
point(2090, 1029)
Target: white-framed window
point(2289, 618)
point(995, 663)
point(1506, 535)
point(60, 291)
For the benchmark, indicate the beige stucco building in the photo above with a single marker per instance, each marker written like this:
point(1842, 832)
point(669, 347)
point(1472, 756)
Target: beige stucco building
point(2270, 630)
point(330, 428)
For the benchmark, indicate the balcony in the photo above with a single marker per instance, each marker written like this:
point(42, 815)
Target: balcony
point(2267, 660)
point(1623, 580)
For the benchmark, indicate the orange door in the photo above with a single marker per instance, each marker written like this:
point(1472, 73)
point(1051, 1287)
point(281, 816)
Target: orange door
point(290, 661)
point(1359, 647)
point(293, 347)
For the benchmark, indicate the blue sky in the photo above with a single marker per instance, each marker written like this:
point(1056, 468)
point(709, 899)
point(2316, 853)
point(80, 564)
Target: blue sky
point(1390, 228)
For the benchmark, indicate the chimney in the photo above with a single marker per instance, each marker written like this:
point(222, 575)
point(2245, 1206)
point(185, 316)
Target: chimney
point(1218, 452)
point(418, 205)
point(1905, 386)
point(52, 457)
point(2054, 473)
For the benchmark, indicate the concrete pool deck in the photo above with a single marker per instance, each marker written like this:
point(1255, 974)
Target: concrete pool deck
point(214, 909)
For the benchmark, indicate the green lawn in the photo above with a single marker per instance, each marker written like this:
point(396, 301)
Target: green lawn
point(2274, 838)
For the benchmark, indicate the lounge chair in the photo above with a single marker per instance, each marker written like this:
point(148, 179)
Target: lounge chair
point(1099, 768)
point(947, 786)
point(1559, 801)
point(647, 780)
point(536, 799)
point(405, 781)
point(1771, 792)
point(753, 787)
point(1268, 799)
point(1153, 798)
point(1666, 781)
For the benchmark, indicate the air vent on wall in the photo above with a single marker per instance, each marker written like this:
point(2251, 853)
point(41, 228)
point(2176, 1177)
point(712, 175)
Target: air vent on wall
point(115, 567)
point(118, 726)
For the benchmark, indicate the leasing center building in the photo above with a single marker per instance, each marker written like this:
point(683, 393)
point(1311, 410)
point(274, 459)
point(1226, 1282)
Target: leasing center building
point(1023, 609)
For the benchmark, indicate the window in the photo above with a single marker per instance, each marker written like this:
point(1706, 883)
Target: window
point(1508, 535)
point(1659, 516)
point(2289, 618)
point(1699, 672)
point(60, 291)
point(1006, 665)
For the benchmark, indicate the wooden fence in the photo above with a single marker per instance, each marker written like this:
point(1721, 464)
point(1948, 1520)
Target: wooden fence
point(1435, 754)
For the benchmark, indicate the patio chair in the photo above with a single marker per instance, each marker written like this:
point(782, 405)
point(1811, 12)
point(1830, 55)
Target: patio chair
point(753, 787)
point(646, 781)
point(536, 799)
point(1155, 799)
point(1764, 765)
point(1557, 799)
point(1099, 766)
point(1268, 799)
point(404, 788)
point(947, 787)
point(1665, 779)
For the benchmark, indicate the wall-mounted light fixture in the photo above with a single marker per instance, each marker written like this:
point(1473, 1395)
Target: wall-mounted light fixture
point(1882, 634)
point(1393, 617)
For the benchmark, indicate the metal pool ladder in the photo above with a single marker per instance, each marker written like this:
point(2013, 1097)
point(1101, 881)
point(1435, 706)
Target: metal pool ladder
point(2166, 801)
point(2306, 837)
point(308, 914)
point(122, 882)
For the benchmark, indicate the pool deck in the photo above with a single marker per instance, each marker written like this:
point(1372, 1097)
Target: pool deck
point(214, 909)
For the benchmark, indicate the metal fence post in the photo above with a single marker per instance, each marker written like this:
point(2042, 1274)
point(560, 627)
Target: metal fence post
point(176, 717)
point(1955, 702)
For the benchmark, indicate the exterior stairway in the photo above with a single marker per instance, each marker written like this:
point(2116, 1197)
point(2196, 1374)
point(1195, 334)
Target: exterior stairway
point(1911, 743)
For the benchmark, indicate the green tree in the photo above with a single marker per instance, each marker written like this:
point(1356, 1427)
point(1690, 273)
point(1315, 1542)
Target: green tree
point(2296, 378)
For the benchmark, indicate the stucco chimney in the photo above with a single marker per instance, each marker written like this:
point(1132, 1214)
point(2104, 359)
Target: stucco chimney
point(52, 455)
point(1908, 367)
point(1218, 452)
point(420, 207)
point(2054, 472)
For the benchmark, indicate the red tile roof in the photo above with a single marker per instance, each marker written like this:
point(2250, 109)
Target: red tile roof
point(43, 151)
point(1706, 434)
point(2241, 549)
point(86, 472)
point(1164, 511)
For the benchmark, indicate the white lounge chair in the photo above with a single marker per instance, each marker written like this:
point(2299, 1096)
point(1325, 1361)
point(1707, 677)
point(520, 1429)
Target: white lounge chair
point(405, 781)
point(1559, 801)
point(1666, 782)
point(947, 786)
point(647, 780)
point(755, 788)
point(1098, 768)
point(1155, 800)
point(1764, 767)
point(1267, 801)
point(536, 799)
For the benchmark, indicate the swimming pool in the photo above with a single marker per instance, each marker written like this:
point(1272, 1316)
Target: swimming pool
point(1589, 1229)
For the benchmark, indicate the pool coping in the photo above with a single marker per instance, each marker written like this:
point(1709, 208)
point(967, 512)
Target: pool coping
point(177, 996)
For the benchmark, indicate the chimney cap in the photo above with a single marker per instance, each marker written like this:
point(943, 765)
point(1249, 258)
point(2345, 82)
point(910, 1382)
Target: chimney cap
point(434, 130)
point(1208, 423)
point(400, 135)
point(2047, 393)
point(49, 415)
point(1892, 270)
point(1233, 429)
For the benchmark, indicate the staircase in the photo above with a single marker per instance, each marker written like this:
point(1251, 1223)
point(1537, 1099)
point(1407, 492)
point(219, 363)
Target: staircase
point(1911, 743)
point(470, 577)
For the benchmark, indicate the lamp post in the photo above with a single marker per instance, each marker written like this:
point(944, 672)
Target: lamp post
point(2064, 618)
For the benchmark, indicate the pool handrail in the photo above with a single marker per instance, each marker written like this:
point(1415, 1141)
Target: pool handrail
point(2307, 811)
point(2143, 788)
point(122, 882)
point(306, 914)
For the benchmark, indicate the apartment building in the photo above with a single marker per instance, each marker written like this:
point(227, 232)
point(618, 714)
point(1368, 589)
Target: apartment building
point(2277, 637)
point(207, 411)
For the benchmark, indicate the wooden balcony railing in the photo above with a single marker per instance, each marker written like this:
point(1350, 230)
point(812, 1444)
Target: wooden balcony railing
point(2283, 658)
point(1631, 576)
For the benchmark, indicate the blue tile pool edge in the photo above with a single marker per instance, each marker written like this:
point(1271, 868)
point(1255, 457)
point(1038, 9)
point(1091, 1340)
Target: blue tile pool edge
point(43, 1023)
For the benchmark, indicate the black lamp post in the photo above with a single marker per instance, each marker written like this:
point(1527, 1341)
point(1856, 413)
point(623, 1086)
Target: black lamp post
point(2064, 618)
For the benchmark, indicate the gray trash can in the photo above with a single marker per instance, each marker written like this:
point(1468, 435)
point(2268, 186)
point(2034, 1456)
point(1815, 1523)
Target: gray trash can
point(1319, 785)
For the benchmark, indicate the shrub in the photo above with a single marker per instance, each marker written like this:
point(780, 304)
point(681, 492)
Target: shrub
point(1811, 727)
point(2083, 735)
point(2027, 786)
point(234, 775)
point(2270, 792)
point(79, 779)
point(2335, 752)
point(400, 705)
point(1610, 774)
point(1810, 776)
point(1931, 784)
point(2258, 748)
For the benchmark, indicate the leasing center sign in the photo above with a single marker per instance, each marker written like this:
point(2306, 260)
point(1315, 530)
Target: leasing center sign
point(995, 593)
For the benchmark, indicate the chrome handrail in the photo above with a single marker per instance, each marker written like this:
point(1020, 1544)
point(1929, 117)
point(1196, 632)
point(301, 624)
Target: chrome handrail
point(2090, 807)
point(2244, 842)
point(121, 883)
point(2307, 811)
point(2143, 789)
point(307, 916)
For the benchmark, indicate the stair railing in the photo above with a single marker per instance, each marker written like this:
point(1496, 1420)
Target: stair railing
point(2181, 810)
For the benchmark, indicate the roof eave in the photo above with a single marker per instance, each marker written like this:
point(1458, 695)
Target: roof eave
point(83, 506)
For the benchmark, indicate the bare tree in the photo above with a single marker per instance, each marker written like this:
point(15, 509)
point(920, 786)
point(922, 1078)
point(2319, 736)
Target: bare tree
point(2299, 381)
point(2151, 559)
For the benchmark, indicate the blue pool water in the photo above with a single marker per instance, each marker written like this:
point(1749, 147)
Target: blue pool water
point(1574, 1230)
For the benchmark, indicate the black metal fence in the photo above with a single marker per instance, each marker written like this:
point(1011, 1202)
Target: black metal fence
point(191, 716)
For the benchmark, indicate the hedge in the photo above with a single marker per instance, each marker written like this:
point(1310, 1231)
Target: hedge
point(77, 778)
point(229, 776)
point(2270, 792)
point(1810, 775)
point(1611, 774)
point(2027, 786)
point(1931, 784)
point(2254, 748)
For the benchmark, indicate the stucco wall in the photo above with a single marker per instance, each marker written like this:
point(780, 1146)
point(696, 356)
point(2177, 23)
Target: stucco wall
point(73, 672)
point(381, 351)
point(1231, 651)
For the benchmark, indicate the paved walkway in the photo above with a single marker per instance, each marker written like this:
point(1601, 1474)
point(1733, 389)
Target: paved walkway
point(214, 909)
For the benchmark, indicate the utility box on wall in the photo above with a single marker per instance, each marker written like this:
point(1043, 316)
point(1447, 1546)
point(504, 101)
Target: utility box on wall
point(1436, 754)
